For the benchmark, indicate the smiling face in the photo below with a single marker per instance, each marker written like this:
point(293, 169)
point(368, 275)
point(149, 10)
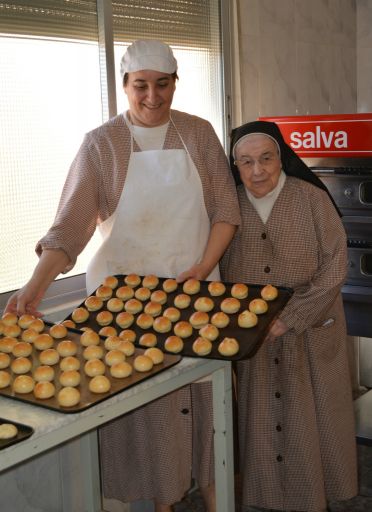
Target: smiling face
point(258, 161)
point(150, 95)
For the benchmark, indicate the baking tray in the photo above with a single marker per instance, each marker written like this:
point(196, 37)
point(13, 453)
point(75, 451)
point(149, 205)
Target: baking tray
point(249, 339)
point(24, 431)
point(88, 399)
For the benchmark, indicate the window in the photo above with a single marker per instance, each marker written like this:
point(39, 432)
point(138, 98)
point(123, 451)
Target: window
point(51, 94)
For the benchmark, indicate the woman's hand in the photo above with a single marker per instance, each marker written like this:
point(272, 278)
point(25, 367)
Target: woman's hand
point(25, 300)
point(278, 328)
point(197, 271)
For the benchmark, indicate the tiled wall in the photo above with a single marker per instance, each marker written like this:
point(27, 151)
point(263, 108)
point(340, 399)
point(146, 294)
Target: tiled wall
point(364, 55)
point(299, 57)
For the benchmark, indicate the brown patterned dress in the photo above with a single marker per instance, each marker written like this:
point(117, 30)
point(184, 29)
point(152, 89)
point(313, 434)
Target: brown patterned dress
point(153, 451)
point(296, 425)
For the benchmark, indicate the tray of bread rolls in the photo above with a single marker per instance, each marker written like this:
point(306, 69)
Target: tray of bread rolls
point(195, 318)
point(66, 369)
point(12, 432)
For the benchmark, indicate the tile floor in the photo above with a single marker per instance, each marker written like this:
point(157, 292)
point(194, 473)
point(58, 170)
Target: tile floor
point(361, 503)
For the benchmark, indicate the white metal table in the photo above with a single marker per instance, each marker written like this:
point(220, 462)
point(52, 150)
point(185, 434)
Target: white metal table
point(52, 428)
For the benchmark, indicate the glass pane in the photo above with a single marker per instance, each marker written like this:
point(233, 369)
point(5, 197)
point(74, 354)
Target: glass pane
point(50, 96)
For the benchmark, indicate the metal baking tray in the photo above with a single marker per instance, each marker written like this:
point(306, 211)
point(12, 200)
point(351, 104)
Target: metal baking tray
point(249, 339)
point(88, 399)
point(24, 431)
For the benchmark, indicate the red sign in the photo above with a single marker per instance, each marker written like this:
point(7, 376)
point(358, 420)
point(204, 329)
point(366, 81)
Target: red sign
point(341, 135)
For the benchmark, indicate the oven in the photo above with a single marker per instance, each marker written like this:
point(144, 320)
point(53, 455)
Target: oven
point(349, 181)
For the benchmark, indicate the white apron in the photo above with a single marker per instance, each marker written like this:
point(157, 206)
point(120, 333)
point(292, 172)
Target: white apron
point(160, 225)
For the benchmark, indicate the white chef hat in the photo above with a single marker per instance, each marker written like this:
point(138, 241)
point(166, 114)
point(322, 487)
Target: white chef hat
point(148, 54)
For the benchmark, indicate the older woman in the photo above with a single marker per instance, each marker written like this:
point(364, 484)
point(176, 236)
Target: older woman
point(157, 183)
point(296, 426)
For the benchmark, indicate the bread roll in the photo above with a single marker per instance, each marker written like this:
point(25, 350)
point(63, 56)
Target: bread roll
point(67, 348)
point(173, 344)
point(191, 286)
point(44, 390)
point(239, 291)
point(162, 324)
point(69, 324)
point(143, 363)
point(100, 384)
point(80, 315)
point(183, 329)
point(93, 352)
point(22, 349)
point(68, 397)
point(108, 330)
point(9, 319)
point(49, 357)
point(133, 306)
point(230, 305)
point(124, 319)
point(69, 363)
point(172, 313)
point(182, 301)
point(5, 379)
point(202, 346)
point(114, 356)
point(228, 347)
point(216, 288)
point(70, 378)
point(43, 341)
point(89, 338)
point(23, 384)
point(121, 370)
point(144, 321)
point(12, 330)
point(170, 285)
point(7, 344)
point(8, 431)
point(132, 280)
point(104, 292)
point(155, 354)
point(4, 360)
point(198, 319)
point(148, 339)
point(124, 293)
point(220, 319)
point(204, 304)
point(128, 335)
point(151, 281)
point(153, 308)
point(247, 319)
point(127, 347)
point(210, 332)
point(21, 365)
point(29, 335)
point(37, 325)
point(93, 303)
point(115, 305)
point(104, 317)
point(159, 296)
point(43, 373)
point(58, 331)
point(258, 306)
point(111, 281)
point(25, 321)
point(142, 294)
point(112, 342)
point(269, 292)
point(94, 367)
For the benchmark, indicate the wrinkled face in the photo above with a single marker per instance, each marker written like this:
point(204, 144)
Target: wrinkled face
point(150, 95)
point(258, 161)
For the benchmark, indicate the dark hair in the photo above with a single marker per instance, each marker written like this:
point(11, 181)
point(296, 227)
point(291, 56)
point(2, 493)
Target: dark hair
point(126, 75)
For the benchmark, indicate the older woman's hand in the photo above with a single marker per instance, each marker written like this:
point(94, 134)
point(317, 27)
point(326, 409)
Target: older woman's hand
point(278, 328)
point(197, 271)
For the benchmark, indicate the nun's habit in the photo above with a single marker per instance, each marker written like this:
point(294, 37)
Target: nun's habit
point(295, 412)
